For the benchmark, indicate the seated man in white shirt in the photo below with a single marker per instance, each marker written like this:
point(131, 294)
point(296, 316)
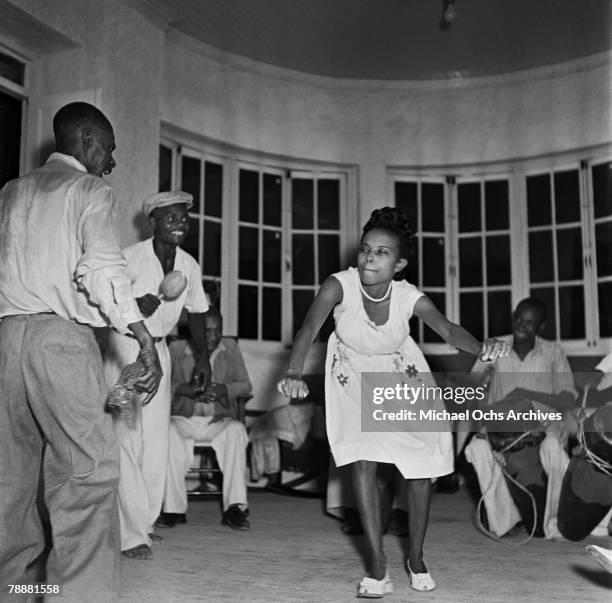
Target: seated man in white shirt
point(535, 376)
point(209, 415)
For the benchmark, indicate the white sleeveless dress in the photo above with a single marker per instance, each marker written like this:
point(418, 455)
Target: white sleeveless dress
point(358, 345)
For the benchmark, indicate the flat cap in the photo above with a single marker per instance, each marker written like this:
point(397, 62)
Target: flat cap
point(165, 198)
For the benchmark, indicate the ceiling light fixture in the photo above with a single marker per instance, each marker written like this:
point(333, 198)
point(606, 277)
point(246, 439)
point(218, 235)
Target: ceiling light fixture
point(450, 13)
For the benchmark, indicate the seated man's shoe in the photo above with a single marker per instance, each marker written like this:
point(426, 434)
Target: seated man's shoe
point(142, 551)
point(236, 518)
point(448, 484)
point(169, 520)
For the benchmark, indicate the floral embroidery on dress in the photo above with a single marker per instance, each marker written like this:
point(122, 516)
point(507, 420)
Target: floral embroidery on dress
point(342, 379)
point(340, 362)
point(411, 371)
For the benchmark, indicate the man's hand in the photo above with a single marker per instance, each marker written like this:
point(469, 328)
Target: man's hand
point(149, 382)
point(148, 304)
point(217, 392)
point(293, 386)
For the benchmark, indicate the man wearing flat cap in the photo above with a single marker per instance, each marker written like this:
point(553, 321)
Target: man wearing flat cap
point(144, 445)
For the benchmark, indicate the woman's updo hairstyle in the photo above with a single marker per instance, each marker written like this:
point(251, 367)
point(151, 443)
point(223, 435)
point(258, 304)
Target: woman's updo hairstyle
point(393, 220)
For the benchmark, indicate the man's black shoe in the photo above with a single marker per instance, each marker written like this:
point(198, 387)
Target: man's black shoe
point(169, 520)
point(236, 518)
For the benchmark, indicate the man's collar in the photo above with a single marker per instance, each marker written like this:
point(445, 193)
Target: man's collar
point(73, 161)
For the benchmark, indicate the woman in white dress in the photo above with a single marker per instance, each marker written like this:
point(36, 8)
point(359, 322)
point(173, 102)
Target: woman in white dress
point(372, 307)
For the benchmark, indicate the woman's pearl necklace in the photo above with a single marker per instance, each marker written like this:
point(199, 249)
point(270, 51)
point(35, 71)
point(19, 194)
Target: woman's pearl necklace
point(373, 299)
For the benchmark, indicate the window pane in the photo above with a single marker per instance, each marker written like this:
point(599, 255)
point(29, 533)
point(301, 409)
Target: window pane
point(303, 259)
point(247, 311)
point(603, 238)
point(499, 306)
point(470, 262)
point(411, 273)
point(414, 329)
point(213, 189)
point(541, 268)
point(434, 271)
point(547, 295)
point(569, 252)
point(273, 192)
point(498, 260)
point(11, 68)
point(602, 189)
point(567, 197)
point(190, 244)
point(212, 248)
point(497, 215)
point(248, 253)
point(301, 302)
point(272, 256)
point(406, 200)
point(10, 137)
point(571, 312)
point(302, 203)
point(439, 301)
point(329, 255)
point(213, 289)
point(604, 293)
point(468, 199)
point(165, 168)
point(329, 203)
point(471, 313)
point(190, 180)
point(272, 313)
point(538, 200)
point(249, 196)
point(433, 206)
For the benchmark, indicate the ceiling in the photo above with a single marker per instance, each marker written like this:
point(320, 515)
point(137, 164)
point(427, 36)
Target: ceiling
point(395, 39)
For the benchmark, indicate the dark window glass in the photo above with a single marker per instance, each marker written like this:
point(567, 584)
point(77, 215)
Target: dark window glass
point(569, 253)
point(272, 256)
point(541, 267)
point(329, 255)
point(433, 262)
point(602, 189)
point(604, 294)
point(498, 260)
point(301, 302)
point(468, 201)
point(470, 262)
point(213, 289)
point(165, 168)
point(406, 200)
point(213, 189)
point(190, 183)
point(497, 215)
point(603, 238)
point(538, 200)
point(329, 203)
point(248, 253)
point(212, 248)
point(247, 311)
point(439, 301)
point(272, 313)
point(414, 329)
point(567, 197)
point(432, 194)
point(547, 295)
point(411, 273)
point(272, 192)
point(302, 203)
point(249, 196)
point(191, 242)
point(303, 259)
point(12, 69)
point(571, 312)
point(327, 328)
point(471, 313)
point(10, 137)
point(499, 306)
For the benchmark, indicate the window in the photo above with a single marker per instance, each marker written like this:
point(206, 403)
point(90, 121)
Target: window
point(540, 227)
point(266, 234)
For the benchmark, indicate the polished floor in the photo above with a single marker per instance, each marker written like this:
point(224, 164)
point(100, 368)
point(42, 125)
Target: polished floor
point(295, 553)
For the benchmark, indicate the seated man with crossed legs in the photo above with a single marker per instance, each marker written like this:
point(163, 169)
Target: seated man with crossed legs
point(211, 415)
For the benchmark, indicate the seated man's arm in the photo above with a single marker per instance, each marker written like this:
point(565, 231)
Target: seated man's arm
point(239, 384)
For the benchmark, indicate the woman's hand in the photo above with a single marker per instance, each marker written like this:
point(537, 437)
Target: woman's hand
point(492, 349)
point(292, 385)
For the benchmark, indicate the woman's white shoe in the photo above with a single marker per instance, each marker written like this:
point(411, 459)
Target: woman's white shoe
point(369, 588)
point(421, 582)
